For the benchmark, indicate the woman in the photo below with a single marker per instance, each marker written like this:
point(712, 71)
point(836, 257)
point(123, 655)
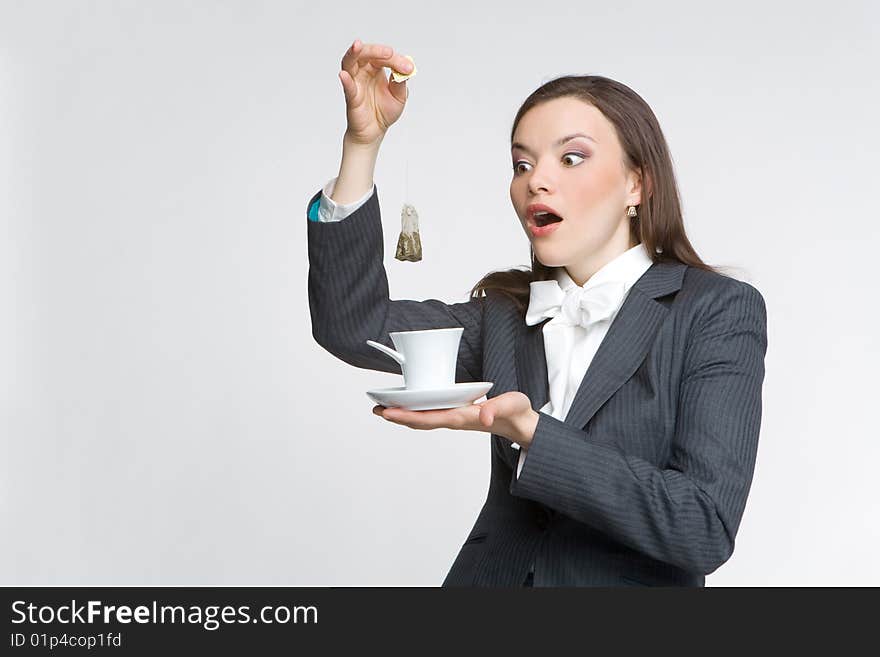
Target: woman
point(626, 405)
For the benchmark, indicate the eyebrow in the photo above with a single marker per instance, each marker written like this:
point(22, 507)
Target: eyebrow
point(559, 142)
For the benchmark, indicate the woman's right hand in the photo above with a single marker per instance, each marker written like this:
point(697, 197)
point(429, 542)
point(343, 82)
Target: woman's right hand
point(373, 102)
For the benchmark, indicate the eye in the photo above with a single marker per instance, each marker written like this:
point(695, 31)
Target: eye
point(516, 164)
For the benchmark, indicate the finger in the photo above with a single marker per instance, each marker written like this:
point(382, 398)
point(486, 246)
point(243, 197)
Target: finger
point(487, 414)
point(398, 415)
point(503, 406)
point(398, 89)
point(448, 418)
point(351, 55)
point(351, 61)
point(399, 63)
point(377, 54)
point(414, 419)
point(349, 88)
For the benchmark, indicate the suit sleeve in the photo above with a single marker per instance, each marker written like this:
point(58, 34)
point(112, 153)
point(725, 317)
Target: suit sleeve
point(687, 513)
point(349, 299)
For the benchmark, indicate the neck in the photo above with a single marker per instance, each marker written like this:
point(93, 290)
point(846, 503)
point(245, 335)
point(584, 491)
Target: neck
point(583, 271)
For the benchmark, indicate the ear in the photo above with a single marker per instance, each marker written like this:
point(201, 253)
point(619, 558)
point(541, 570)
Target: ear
point(640, 186)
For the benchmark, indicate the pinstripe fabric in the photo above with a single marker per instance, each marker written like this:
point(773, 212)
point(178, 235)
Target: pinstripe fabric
point(646, 481)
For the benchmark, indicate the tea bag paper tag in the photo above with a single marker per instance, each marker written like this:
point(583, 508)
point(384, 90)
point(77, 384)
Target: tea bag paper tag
point(400, 77)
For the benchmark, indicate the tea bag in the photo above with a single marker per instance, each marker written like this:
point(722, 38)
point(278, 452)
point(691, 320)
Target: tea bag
point(409, 244)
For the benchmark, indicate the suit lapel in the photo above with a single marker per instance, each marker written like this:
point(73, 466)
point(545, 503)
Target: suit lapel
point(531, 377)
point(623, 349)
point(531, 365)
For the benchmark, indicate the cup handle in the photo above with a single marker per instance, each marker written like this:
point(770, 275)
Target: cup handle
point(388, 351)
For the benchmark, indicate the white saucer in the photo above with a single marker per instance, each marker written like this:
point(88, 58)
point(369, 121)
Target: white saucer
point(460, 394)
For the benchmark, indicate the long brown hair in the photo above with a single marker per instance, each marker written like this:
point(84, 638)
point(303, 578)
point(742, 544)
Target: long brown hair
point(659, 225)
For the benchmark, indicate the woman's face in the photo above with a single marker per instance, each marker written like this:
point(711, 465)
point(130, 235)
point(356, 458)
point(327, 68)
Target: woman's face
point(583, 180)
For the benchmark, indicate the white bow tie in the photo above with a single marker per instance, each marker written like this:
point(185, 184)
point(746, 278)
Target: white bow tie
point(577, 305)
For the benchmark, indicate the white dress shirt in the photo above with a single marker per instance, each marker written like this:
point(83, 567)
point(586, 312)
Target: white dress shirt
point(569, 348)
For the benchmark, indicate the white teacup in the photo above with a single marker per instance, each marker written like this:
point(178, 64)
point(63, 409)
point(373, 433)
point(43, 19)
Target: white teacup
point(427, 358)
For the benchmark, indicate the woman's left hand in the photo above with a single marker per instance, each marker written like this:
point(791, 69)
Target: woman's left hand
point(509, 415)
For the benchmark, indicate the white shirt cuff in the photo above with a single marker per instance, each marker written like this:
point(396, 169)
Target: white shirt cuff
point(329, 210)
point(522, 459)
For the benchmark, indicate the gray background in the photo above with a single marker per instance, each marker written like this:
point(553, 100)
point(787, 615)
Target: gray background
point(166, 416)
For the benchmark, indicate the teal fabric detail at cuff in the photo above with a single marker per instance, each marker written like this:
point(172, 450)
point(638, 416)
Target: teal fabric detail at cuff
point(313, 210)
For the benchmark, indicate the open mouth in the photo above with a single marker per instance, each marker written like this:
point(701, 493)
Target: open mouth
point(545, 219)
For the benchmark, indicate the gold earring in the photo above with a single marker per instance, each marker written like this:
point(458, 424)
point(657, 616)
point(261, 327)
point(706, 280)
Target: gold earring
point(631, 212)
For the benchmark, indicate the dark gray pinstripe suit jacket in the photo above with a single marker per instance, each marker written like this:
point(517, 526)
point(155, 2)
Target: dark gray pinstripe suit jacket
point(646, 480)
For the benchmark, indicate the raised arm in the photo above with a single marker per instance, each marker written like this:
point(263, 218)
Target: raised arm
point(348, 287)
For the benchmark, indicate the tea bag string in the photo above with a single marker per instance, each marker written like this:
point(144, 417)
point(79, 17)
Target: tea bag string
point(406, 158)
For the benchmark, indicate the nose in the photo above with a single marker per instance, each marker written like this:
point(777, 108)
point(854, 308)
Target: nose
point(540, 179)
